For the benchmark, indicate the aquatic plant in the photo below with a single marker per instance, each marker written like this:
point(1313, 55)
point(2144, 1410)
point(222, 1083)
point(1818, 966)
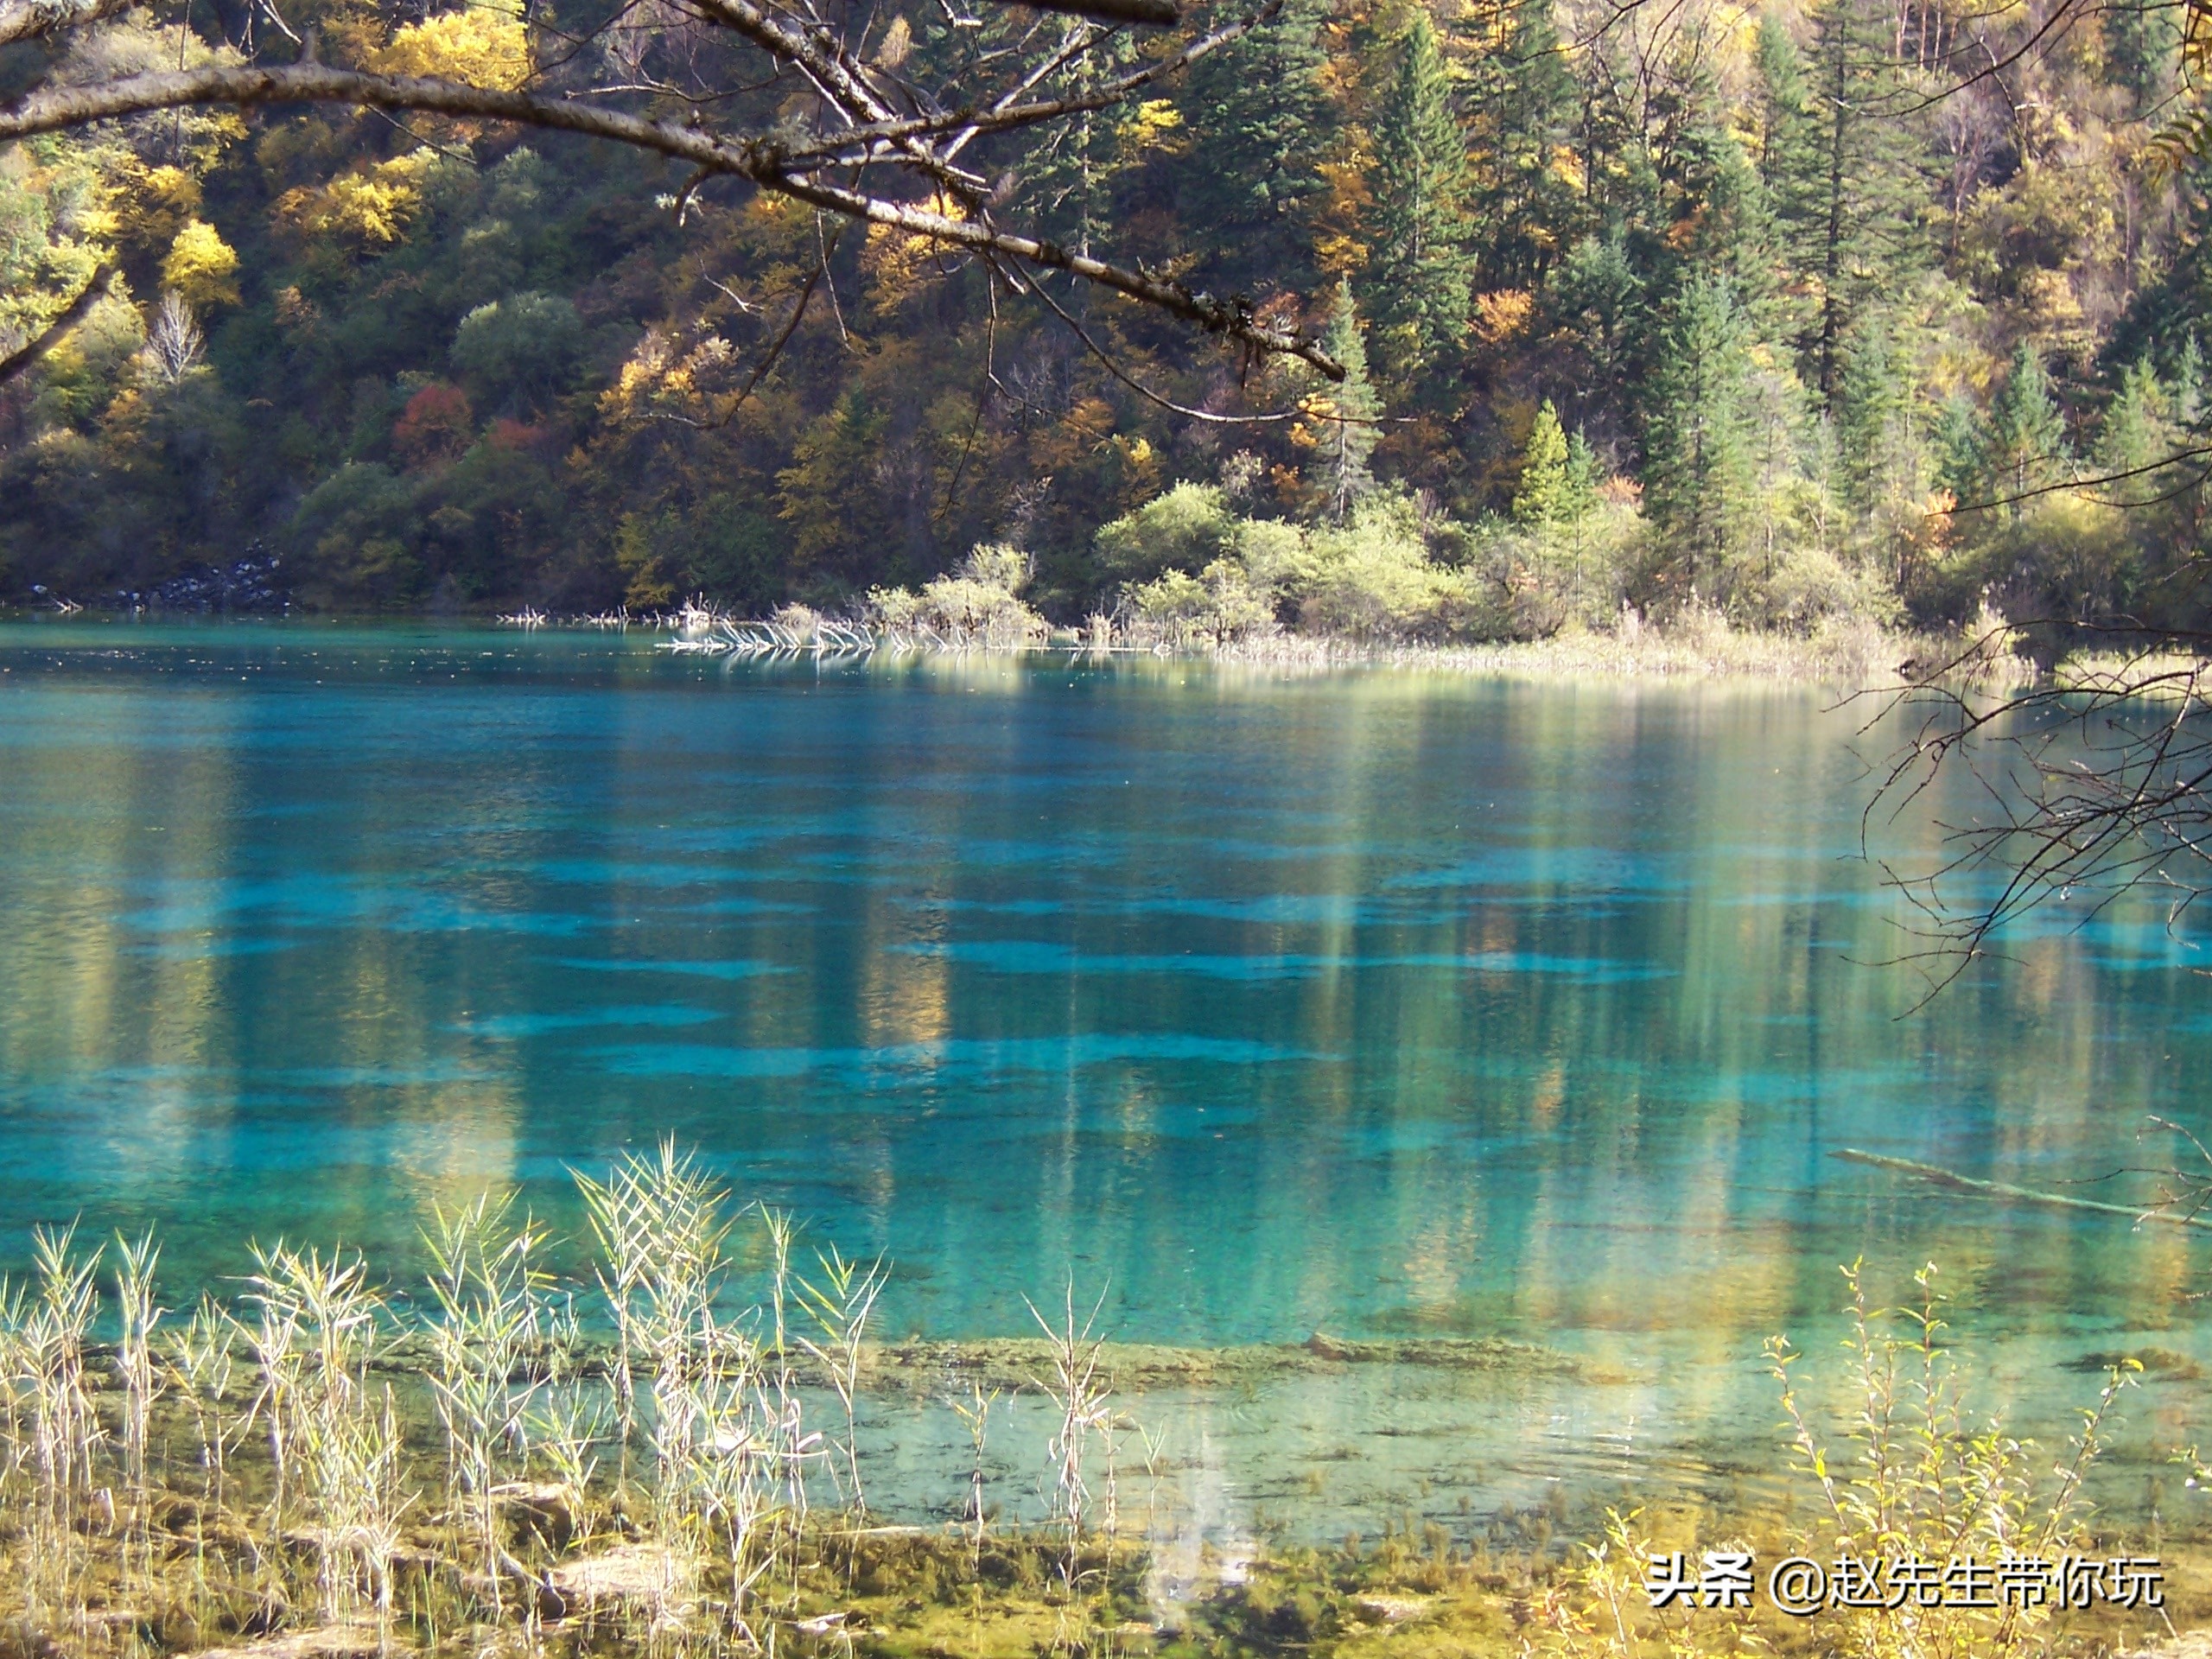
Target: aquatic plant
point(975, 1415)
point(490, 1322)
point(134, 1352)
point(337, 1471)
point(1082, 1401)
point(1915, 1474)
point(841, 1307)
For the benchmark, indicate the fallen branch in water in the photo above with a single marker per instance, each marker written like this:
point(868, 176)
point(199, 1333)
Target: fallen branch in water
point(1937, 1177)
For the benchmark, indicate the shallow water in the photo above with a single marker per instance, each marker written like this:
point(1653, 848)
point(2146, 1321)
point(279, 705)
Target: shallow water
point(1383, 1003)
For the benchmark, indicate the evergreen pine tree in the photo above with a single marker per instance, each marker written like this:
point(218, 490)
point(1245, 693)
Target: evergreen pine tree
point(1260, 125)
point(1071, 175)
point(1525, 200)
point(1699, 462)
point(1961, 440)
point(2143, 39)
point(1849, 187)
point(2139, 431)
point(1782, 132)
point(2024, 443)
point(2189, 385)
point(1418, 275)
point(1347, 441)
point(1542, 496)
point(1881, 454)
point(1579, 499)
point(2138, 428)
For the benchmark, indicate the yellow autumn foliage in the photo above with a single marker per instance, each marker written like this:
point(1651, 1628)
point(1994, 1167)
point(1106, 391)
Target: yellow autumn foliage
point(371, 209)
point(896, 262)
point(145, 208)
point(1154, 124)
point(478, 46)
point(201, 267)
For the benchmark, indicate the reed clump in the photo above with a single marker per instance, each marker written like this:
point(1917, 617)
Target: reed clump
point(1914, 1473)
point(322, 1465)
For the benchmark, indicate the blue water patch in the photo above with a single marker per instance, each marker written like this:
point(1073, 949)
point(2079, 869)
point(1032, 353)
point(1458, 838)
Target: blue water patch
point(735, 968)
point(1031, 956)
point(516, 1026)
point(1051, 1054)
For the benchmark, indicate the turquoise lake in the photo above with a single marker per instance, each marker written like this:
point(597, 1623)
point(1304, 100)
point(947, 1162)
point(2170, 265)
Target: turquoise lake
point(1381, 1003)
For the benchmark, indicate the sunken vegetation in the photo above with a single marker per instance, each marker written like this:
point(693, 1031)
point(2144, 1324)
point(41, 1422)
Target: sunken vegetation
point(502, 1462)
point(1818, 315)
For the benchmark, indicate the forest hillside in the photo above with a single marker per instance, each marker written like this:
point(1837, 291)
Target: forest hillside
point(1803, 310)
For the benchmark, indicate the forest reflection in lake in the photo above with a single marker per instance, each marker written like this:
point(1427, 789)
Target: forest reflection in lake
point(1387, 1004)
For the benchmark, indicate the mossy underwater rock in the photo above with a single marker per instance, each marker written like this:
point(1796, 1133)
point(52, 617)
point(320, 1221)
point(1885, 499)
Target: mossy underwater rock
point(1014, 1362)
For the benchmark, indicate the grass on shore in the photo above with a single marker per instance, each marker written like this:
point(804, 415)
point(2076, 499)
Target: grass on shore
point(306, 1471)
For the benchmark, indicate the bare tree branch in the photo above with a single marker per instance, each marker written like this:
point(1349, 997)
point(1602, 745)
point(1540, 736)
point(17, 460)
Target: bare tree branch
point(771, 164)
point(24, 356)
point(1158, 13)
point(21, 19)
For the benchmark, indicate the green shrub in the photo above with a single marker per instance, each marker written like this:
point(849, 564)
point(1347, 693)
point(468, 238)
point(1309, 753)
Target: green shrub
point(1222, 603)
point(520, 352)
point(975, 605)
point(1374, 579)
point(1187, 529)
point(357, 538)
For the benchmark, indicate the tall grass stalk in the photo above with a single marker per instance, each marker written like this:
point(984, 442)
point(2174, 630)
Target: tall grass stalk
point(661, 1228)
point(135, 1261)
point(1923, 1478)
point(975, 1413)
point(65, 1428)
point(318, 1328)
point(489, 1296)
point(203, 1364)
point(839, 1308)
point(1914, 1474)
point(1082, 1401)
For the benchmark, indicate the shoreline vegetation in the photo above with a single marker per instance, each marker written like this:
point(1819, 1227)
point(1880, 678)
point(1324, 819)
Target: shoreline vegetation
point(503, 1460)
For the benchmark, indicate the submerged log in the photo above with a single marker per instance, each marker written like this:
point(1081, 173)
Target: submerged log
point(1946, 1178)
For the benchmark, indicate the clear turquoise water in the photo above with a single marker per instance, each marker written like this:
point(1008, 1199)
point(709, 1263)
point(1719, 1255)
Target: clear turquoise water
point(1381, 1003)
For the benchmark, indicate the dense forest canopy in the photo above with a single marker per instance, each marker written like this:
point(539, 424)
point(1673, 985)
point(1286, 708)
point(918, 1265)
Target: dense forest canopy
point(1802, 309)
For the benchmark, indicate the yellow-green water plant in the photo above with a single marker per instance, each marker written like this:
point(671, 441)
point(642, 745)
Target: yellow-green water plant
point(841, 1307)
point(1918, 1474)
point(1915, 1472)
point(135, 1260)
point(200, 1358)
point(786, 1419)
point(489, 1296)
point(15, 1371)
point(564, 1427)
point(332, 1443)
point(975, 1415)
point(65, 1427)
point(660, 1225)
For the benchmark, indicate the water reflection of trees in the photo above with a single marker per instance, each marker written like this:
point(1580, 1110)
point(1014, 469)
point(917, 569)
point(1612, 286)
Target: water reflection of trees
point(1566, 991)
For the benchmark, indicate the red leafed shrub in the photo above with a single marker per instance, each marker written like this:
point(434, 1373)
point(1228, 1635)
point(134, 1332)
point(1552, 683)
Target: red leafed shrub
point(436, 425)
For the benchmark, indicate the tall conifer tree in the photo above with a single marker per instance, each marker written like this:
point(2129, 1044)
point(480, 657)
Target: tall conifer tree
point(1261, 123)
point(1347, 442)
point(1526, 201)
point(2024, 444)
point(1418, 279)
point(1698, 464)
point(1847, 179)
